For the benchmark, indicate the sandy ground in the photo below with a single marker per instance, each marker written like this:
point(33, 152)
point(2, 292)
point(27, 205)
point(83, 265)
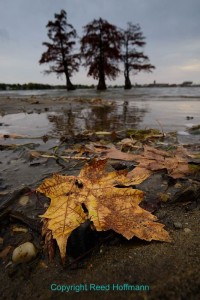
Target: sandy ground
point(26, 103)
point(170, 270)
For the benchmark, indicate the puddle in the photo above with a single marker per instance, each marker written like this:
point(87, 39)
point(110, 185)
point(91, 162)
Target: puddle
point(118, 116)
point(76, 117)
point(95, 118)
point(25, 124)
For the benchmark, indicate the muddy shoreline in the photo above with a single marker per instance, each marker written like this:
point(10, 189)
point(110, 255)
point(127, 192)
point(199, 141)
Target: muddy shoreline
point(18, 104)
point(171, 270)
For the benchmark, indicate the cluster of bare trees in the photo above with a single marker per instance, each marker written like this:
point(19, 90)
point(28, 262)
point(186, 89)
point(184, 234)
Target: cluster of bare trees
point(102, 48)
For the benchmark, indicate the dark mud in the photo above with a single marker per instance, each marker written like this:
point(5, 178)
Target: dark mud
point(170, 270)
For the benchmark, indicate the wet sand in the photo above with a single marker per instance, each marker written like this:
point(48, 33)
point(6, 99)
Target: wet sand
point(171, 270)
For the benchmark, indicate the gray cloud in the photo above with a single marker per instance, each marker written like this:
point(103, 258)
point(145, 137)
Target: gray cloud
point(4, 35)
point(171, 28)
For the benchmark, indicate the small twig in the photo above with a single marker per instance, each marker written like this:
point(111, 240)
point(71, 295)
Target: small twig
point(33, 224)
point(65, 157)
point(160, 127)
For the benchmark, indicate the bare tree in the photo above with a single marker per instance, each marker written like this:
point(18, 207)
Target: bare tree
point(100, 47)
point(59, 53)
point(133, 59)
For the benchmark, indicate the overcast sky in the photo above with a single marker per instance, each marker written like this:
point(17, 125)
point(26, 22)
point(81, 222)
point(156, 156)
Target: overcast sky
point(171, 27)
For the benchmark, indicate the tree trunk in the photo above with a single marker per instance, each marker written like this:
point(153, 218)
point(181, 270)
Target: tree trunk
point(101, 84)
point(127, 85)
point(69, 85)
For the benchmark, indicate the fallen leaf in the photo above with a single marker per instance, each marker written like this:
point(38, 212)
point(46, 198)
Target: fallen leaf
point(138, 175)
point(114, 153)
point(153, 159)
point(35, 154)
point(108, 151)
point(128, 143)
point(145, 134)
point(108, 206)
point(65, 213)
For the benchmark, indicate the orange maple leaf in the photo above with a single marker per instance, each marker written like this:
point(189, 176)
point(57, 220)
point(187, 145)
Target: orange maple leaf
point(108, 206)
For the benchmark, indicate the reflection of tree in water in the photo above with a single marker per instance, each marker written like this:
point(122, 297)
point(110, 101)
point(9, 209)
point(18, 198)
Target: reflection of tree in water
point(132, 115)
point(65, 123)
point(101, 118)
point(98, 118)
point(115, 117)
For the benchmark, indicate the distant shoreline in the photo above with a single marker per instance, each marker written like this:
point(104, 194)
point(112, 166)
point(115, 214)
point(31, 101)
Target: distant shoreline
point(39, 86)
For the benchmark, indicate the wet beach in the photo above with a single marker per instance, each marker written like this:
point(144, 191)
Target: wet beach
point(37, 127)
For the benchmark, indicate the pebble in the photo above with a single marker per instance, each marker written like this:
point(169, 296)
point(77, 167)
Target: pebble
point(178, 225)
point(24, 253)
point(24, 200)
point(187, 230)
point(178, 185)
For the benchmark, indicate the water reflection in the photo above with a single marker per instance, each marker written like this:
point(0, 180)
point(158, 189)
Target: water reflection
point(133, 115)
point(64, 123)
point(98, 118)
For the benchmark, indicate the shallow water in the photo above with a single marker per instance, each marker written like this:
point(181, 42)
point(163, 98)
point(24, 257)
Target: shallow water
point(143, 93)
point(166, 109)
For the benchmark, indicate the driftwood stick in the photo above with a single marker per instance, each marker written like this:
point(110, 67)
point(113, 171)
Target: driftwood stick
point(66, 157)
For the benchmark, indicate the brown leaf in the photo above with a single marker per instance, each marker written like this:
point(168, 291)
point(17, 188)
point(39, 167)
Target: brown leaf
point(128, 143)
point(114, 153)
point(138, 175)
point(35, 154)
point(153, 159)
point(108, 207)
